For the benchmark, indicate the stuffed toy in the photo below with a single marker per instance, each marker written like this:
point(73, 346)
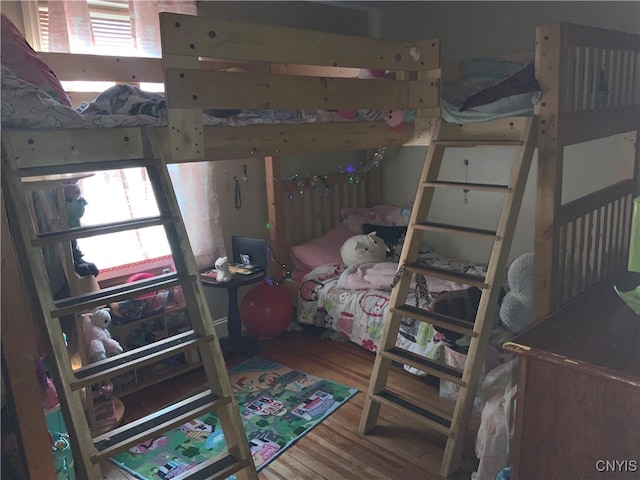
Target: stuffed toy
point(96, 334)
point(363, 249)
point(516, 309)
point(222, 269)
point(75, 206)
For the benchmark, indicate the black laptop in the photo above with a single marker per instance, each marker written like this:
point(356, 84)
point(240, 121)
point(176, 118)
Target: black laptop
point(249, 254)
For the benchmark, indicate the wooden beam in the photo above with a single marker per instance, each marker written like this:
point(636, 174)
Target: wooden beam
point(275, 210)
point(20, 352)
point(592, 124)
point(550, 159)
point(211, 38)
point(193, 88)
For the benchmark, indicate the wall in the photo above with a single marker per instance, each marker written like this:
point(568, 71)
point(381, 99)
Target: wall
point(11, 9)
point(251, 219)
point(470, 29)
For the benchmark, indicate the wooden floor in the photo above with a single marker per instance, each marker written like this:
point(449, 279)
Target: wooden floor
point(395, 449)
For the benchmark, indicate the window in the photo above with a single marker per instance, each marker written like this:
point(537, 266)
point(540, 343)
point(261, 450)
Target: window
point(110, 25)
point(120, 27)
point(114, 195)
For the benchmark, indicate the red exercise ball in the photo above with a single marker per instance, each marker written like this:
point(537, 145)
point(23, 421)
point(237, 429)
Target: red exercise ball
point(266, 310)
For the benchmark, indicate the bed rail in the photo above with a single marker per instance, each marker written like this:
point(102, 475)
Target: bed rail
point(594, 239)
point(590, 78)
point(190, 89)
point(590, 82)
point(301, 209)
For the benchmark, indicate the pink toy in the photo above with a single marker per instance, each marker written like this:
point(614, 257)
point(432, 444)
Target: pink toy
point(97, 337)
point(393, 118)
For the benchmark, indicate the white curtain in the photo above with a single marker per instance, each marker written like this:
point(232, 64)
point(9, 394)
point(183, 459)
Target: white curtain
point(70, 31)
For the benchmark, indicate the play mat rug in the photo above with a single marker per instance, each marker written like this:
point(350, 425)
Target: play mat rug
point(278, 405)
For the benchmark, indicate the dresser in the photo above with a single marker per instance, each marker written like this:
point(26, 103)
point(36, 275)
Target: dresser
point(578, 404)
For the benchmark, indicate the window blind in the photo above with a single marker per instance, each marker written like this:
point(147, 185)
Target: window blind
point(109, 21)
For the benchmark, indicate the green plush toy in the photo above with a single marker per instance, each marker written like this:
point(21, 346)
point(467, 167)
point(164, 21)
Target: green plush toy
point(75, 204)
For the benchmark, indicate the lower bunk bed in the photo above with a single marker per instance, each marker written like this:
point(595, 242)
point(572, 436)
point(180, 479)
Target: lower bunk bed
point(351, 302)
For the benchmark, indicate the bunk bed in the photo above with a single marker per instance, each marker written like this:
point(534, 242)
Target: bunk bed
point(579, 246)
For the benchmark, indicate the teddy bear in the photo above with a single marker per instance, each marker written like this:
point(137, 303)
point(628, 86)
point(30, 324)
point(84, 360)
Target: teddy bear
point(96, 335)
point(363, 249)
point(222, 268)
point(516, 310)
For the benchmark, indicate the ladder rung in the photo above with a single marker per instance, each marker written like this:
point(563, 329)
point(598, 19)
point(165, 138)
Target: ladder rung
point(119, 292)
point(443, 227)
point(92, 231)
point(436, 319)
point(427, 365)
point(486, 187)
point(218, 467)
point(464, 278)
point(478, 142)
point(110, 367)
point(131, 434)
point(433, 420)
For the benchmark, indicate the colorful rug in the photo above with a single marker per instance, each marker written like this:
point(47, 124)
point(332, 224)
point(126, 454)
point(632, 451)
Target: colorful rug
point(278, 405)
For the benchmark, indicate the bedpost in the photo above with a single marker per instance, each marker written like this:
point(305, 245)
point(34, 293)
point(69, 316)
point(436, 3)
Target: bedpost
point(275, 210)
point(548, 59)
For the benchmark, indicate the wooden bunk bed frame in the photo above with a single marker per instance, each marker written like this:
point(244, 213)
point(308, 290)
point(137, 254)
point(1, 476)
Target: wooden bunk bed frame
point(567, 59)
point(584, 243)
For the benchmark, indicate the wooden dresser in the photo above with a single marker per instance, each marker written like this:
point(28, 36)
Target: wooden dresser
point(578, 405)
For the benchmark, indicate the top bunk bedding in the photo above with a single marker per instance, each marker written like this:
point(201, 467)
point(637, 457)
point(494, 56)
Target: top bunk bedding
point(36, 100)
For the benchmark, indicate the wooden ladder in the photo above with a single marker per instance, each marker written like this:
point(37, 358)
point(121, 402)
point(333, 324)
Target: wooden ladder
point(89, 451)
point(514, 132)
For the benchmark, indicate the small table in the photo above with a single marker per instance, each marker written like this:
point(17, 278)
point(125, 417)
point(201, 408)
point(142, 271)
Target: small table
point(236, 343)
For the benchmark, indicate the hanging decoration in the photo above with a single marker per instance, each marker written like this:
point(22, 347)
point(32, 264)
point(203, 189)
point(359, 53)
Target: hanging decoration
point(373, 161)
point(320, 184)
point(465, 194)
point(316, 182)
point(238, 194)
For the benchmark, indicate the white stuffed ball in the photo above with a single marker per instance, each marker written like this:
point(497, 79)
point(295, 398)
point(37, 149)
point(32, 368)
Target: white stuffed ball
point(516, 311)
point(363, 249)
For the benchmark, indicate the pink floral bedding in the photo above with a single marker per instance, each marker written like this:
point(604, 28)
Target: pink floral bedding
point(358, 314)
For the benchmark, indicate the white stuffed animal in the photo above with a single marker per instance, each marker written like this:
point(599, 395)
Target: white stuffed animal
point(363, 249)
point(96, 335)
point(516, 311)
point(222, 268)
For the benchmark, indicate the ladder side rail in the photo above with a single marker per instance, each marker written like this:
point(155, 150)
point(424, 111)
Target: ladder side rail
point(37, 283)
point(496, 271)
point(410, 248)
point(199, 314)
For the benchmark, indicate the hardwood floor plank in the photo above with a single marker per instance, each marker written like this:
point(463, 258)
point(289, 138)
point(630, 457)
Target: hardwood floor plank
point(395, 449)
